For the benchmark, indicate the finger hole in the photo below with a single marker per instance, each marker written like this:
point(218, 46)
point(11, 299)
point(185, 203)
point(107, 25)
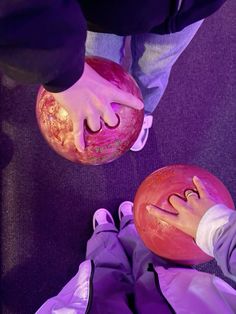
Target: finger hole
point(171, 197)
point(91, 131)
point(115, 126)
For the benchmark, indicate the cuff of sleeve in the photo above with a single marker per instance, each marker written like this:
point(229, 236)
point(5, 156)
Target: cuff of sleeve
point(65, 80)
point(209, 225)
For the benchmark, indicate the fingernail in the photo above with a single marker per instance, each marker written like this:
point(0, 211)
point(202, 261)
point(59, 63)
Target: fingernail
point(195, 178)
point(141, 105)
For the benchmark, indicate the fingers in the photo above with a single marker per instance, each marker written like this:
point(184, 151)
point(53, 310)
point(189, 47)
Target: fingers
point(109, 116)
point(93, 122)
point(200, 187)
point(126, 99)
point(162, 215)
point(177, 202)
point(78, 130)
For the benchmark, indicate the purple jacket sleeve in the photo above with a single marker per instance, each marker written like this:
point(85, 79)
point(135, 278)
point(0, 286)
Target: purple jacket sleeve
point(225, 248)
point(42, 41)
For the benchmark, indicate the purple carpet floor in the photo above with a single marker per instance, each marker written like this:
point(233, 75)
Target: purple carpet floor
point(47, 203)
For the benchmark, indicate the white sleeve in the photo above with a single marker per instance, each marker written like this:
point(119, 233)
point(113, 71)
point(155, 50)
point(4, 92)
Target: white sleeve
point(210, 225)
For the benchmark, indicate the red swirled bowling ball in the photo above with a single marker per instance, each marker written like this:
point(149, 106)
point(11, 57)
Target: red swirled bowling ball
point(160, 237)
point(108, 143)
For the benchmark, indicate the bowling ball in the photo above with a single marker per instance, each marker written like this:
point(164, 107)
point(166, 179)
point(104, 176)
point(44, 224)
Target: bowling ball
point(160, 237)
point(108, 143)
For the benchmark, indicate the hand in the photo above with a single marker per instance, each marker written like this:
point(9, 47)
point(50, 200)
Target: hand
point(190, 211)
point(90, 99)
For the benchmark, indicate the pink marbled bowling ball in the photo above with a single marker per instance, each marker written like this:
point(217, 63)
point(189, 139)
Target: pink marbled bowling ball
point(108, 143)
point(159, 236)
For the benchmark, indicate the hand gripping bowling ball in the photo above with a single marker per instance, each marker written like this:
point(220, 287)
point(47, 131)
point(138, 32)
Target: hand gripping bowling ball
point(159, 236)
point(108, 143)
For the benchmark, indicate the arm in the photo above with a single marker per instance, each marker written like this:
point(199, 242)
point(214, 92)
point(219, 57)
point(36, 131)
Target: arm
point(42, 41)
point(216, 236)
point(212, 225)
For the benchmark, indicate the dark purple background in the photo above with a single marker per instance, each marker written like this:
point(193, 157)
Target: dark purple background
point(48, 202)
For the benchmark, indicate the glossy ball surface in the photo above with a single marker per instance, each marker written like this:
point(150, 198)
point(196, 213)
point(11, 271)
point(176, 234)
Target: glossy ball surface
point(160, 237)
point(108, 143)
